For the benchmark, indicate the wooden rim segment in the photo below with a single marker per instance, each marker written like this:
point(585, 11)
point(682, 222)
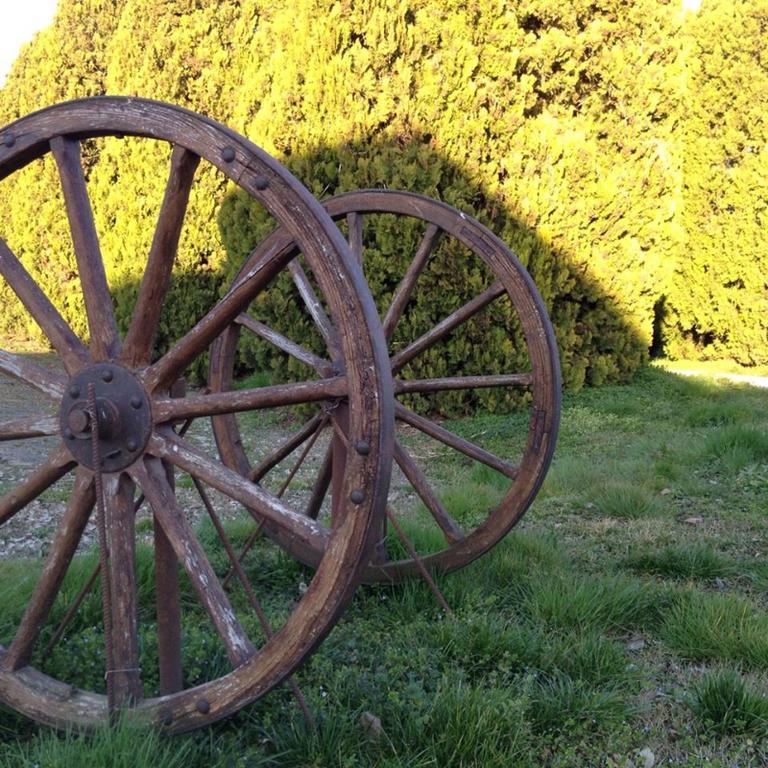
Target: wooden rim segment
point(508, 278)
point(151, 453)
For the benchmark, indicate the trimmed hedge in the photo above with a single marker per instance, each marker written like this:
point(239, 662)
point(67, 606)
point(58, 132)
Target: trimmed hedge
point(556, 125)
point(718, 300)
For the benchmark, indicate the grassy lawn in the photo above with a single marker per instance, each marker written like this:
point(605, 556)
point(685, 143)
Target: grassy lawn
point(623, 623)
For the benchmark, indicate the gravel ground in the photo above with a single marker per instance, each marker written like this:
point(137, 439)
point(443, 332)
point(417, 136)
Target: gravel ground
point(28, 532)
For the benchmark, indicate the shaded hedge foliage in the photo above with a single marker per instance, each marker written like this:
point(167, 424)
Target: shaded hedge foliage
point(564, 127)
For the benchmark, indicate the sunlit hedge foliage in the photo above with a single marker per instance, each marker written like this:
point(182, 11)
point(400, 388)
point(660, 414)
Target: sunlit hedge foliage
point(617, 146)
point(719, 297)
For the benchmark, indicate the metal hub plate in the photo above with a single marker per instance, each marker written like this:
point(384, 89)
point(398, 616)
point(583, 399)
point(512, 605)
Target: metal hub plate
point(124, 417)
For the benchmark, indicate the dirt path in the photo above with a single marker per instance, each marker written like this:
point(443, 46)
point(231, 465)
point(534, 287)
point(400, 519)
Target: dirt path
point(735, 378)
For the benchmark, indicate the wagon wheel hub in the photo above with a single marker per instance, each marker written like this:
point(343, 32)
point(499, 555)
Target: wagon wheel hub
point(122, 411)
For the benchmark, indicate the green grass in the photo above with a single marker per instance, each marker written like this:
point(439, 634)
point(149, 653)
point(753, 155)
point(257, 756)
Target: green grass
point(735, 447)
point(693, 561)
point(125, 745)
point(715, 412)
point(703, 627)
point(469, 502)
point(590, 603)
point(493, 728)
point(624, 499)
point(628, 610)
point(561, 704)
point(725, 704)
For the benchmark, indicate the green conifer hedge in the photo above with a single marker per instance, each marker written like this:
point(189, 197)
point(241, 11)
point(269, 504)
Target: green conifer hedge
point(600, 140)
point(718, 298)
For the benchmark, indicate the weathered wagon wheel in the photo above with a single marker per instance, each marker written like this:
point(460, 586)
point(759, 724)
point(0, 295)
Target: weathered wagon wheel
point(117, 433)
point(517, 478)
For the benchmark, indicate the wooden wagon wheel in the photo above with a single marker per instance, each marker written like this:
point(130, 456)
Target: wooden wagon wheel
point(459, 542)
point(115, 408)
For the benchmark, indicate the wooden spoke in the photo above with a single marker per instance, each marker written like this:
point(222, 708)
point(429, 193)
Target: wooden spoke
point(322, 483)
point(414, 555)
point(157, 276)
point(151, 477)
point(171, 409)
point(165, 577)
point(118, 498)
point(276, 244)
point(355, 225)
point(171, 366)
point(64, 545)
point(168, 610)
point(42, 379)
point(322, 366)
point(302, 458)
point(31, 426)
point(422, 487)
point(233, 559)
point(407, 284)
point(286, 449)
point(261, 503)
point(181, 430)
point(168, 596)
point(250, 592)
point(72, 610)
point(253, 537)
point(446, 325)
point(315, 308)
point(62, 338)
point(406, 386)
point(105, 342)
point(168, 599)
point(52, 469)
point(168, 616)
point(442, 435)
